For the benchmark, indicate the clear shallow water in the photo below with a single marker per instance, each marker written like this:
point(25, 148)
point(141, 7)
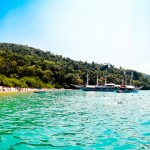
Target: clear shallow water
point(75, 120)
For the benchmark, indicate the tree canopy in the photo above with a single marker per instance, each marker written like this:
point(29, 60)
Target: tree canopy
point(24, 66)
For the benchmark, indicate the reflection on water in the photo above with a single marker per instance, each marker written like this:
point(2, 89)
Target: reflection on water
point(73, 119)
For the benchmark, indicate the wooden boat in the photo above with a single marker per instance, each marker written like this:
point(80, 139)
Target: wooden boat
point(127, 88)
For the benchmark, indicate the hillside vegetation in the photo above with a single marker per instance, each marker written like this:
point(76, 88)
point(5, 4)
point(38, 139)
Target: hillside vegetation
point(24, 66)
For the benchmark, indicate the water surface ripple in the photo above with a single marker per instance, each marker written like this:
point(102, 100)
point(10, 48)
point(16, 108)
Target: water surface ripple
point(76, 120)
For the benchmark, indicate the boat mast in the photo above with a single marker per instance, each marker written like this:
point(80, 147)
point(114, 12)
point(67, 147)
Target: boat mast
point(87, 79)
point(124, 78)
point(106, 77)
point(97, 80)
point(131, 80)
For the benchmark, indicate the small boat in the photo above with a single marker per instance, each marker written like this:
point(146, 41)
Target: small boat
point(126, 89)
point(77, 86)
point(40, 91)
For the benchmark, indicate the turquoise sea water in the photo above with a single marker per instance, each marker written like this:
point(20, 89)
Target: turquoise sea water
point(75, 120)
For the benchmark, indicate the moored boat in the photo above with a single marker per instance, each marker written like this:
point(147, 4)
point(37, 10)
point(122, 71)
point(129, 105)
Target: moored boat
point(126, 89)
point(110, 87)
point(40, 91)
point(107, 87)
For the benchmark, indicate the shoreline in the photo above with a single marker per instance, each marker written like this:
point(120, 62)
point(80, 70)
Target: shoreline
point(12, 90)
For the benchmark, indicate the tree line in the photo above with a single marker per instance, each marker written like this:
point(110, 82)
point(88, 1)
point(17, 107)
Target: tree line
point(24, 66)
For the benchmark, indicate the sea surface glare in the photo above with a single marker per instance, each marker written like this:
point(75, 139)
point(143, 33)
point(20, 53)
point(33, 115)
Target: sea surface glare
point(75, 120)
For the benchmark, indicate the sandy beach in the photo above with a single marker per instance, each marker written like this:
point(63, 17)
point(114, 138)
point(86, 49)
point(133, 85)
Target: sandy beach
point(8, 90)
point(11, 90)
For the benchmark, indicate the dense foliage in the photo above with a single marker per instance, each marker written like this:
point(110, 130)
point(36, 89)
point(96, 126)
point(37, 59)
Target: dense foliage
point(24, 66)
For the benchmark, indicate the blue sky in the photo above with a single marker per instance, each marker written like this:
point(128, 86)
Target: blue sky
point(104, 31)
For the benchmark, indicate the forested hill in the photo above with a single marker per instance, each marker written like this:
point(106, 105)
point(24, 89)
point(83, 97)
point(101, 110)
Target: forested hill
point(23, 66)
